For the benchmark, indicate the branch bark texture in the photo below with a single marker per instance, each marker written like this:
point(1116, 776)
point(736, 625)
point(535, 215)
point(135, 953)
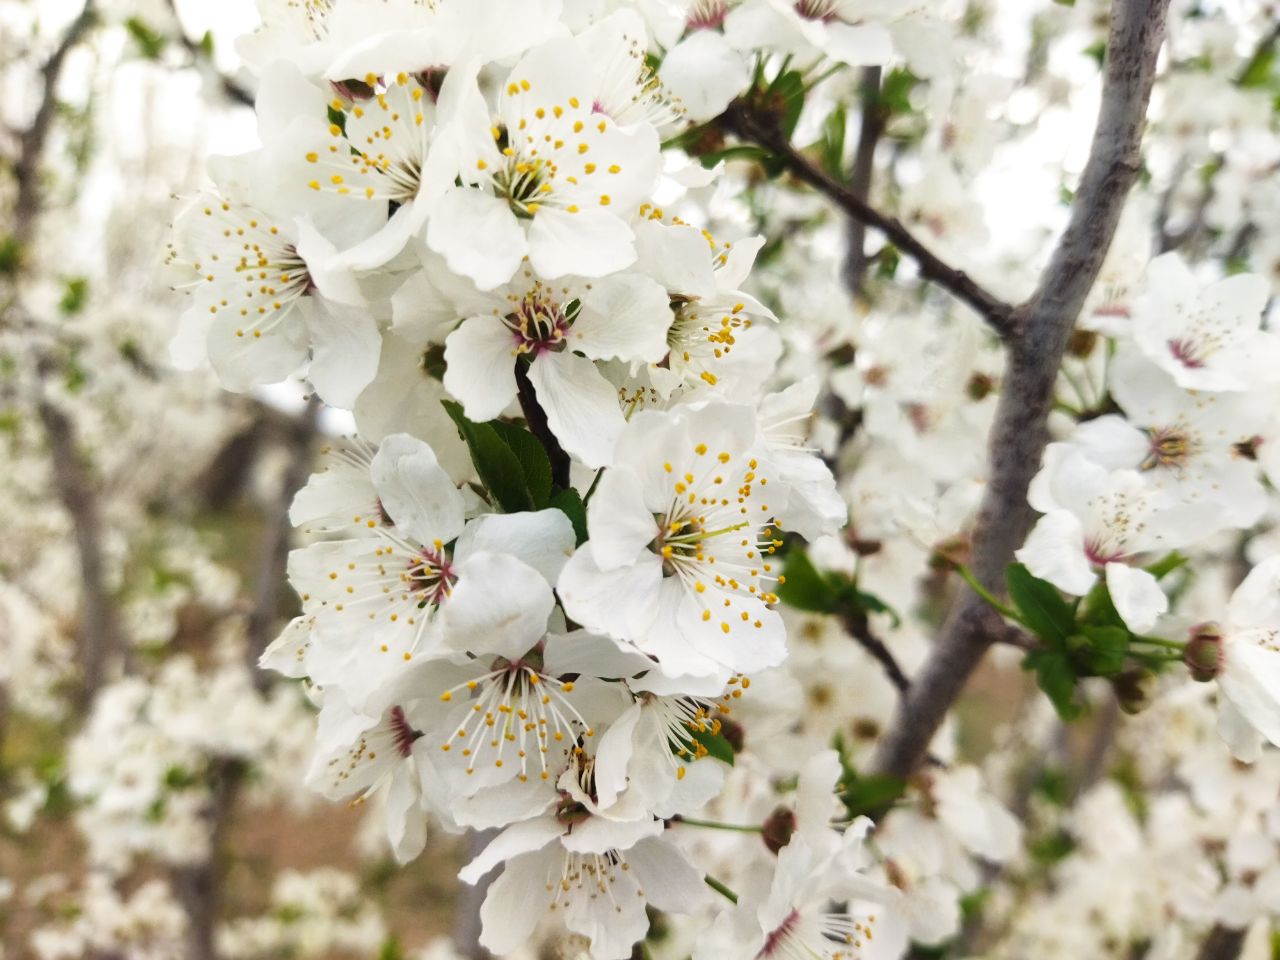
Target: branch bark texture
point(1034, 355)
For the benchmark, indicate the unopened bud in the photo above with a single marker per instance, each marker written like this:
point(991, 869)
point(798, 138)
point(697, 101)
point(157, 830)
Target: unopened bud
point(732, 732)
point(1203, 653)
point(1082, 343)
point(979, 386)
point(1134, 689)
point(778, 828)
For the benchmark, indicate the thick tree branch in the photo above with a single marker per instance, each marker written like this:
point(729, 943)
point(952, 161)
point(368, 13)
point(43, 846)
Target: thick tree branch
point(1020, 432)
point(872, 126)
point(754, 125)
point(100, 634)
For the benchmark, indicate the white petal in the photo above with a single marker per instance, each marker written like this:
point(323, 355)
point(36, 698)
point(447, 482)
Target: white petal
point(543, 539)
point(416, 493)
point(589, 243)
point(345, 347)
point(406, 820)
point(624, 317)
point(620, 524)
point(524, 837)
point(1136, 595)
point(1054, 551)
point(480, 367)
point(705, 73)
point(499, 607)
point(478, 236)
point(517, 900)
point(581, 406)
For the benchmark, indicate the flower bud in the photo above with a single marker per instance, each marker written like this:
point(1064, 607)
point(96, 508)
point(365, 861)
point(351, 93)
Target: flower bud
point(778, 828)
point(1203, 653)
point(1134, 689)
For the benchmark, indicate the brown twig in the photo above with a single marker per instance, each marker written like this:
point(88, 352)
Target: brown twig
point(230, 88)
point(1035, 352)
point(753, 124)
point(536, 418)
point(857, 625)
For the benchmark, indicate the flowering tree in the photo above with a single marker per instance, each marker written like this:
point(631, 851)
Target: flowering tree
point(735, 395)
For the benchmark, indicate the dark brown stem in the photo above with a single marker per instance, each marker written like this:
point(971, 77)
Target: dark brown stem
point(1222, 943)
point(873, 122)
point(856, 624)
point(755, 125)
point(536, 418)
point(1020, 431)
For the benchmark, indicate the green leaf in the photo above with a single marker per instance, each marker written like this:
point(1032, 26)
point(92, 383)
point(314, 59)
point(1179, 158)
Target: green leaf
point(569, 502)
point(1257, 72)
point(497, 465)
point(895, 92)
point(1106, 650)
point(716, 744)
point(534, 462)
point(1098, 608)
point(1057, 678)
point(833, 137)
point(743, 151)
point(1166, 565)
point(802, 586)
point(75, 295)
point(787, 94)
point(150, 43)
point(871, 795)
point(391, 950)
point(1040, 604)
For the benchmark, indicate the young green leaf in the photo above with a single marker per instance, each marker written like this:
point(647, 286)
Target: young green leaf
point(498, 467)
point(1040, 604)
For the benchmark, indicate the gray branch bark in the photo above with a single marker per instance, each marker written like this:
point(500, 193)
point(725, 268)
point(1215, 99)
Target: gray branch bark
point(864, 158)
point(1034, 354)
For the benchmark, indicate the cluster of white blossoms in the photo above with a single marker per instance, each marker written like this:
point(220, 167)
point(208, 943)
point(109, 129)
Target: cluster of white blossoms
point(540, 587)
point(542, 630)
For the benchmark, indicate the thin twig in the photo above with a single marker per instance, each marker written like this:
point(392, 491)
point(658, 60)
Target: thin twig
point(1020, 431)
point(857, 625)
point(233, 91)
point(756, 125)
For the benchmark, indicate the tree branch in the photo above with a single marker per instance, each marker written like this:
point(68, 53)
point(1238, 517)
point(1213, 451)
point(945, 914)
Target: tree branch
point(100, 634)
point(754, 125)
point(856, 624)
point(873, 122)
point(1222, 943)
point(1020, 431)
point(230, 88)
point(26, 171)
